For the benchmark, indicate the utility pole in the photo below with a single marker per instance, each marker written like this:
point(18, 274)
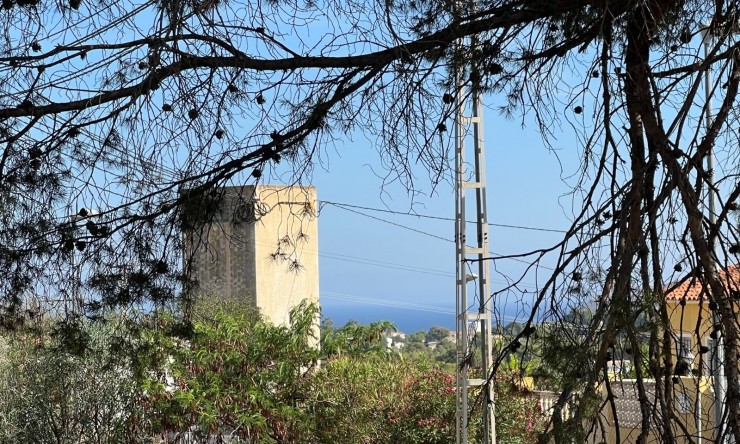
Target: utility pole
point(719, 384)
point(473, 310)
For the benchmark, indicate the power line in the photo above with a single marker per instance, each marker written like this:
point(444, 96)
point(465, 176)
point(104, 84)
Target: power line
point(387, 303)
point(349, 207)
point(428, 216)
point(369, 261)
point(391, 265)
point(353, 209)
point(414, 269)
point(493, 254)
point(395, 224)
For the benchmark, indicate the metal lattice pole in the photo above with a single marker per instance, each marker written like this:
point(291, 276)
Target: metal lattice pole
point(473, 322)
point(719, 383)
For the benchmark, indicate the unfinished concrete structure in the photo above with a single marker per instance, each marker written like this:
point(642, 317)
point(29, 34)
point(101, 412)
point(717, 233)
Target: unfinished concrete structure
point(261, 247)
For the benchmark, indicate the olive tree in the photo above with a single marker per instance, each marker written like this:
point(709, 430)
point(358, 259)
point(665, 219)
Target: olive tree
point(49, 394)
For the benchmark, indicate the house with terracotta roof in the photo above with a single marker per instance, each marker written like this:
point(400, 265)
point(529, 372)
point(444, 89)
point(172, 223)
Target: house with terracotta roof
point(690, 313)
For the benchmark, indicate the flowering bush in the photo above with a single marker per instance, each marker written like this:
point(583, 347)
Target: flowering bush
point(236, 376)
point(376, 399)
point(518, 417)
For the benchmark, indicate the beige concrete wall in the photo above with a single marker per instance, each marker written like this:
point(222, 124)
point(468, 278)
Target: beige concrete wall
point(286, 250)
point(262, 248)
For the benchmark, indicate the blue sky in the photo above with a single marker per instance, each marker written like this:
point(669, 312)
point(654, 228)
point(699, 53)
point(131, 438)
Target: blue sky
point(525, 188)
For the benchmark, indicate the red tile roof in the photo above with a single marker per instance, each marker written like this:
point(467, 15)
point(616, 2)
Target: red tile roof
point(691, 288)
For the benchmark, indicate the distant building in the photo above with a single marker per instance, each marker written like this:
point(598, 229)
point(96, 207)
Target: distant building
point(261, 247)
point(395, 339)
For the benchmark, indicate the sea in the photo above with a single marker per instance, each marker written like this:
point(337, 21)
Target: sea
point(405, 319)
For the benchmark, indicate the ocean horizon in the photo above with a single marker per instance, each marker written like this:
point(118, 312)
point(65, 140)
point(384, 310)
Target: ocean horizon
point(410, 319)
point(407, 320)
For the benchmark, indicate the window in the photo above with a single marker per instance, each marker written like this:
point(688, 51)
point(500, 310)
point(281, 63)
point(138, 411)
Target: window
point(709, 357)
point(684, 356)
point(683, 347)
point(684, 403)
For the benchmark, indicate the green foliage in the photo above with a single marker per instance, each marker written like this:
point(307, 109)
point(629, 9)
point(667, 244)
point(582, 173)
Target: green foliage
point(437, 334)
point(559, 346)
point(410, 398)
point(419, 336)
point(370, 399)
point(433, 345)
point(517, 365)
point(237, 376)
point(519, 419)
point(355, 339)
point(512, 328)
point(578, 316)
point(49, 394)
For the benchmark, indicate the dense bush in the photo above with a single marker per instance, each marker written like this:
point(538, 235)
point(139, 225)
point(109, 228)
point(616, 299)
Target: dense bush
point(234, 376)
point(377, 399)
point(518, 417)
point(49, 395)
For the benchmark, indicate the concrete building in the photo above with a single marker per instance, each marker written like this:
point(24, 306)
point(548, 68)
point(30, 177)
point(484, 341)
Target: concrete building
point(261, 247)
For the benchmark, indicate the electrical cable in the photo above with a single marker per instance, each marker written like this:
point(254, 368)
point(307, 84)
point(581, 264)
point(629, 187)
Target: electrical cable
point(353, 209)
point(392, 265)
point(386, 303)
point(399, 225)
point(447, 219)
point(493, 254)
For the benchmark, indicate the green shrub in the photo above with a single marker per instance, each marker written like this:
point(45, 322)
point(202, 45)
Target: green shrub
point(237, 375)
point(375, 399)
point(48, 395)
point(232, 374)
